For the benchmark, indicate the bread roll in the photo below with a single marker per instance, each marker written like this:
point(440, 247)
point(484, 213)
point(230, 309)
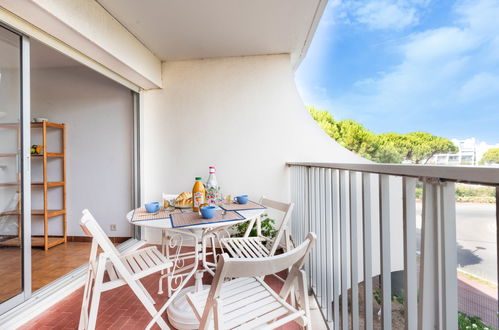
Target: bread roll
point(184, 199)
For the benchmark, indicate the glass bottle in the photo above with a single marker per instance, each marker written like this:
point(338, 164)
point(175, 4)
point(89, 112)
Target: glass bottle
point(212, 188)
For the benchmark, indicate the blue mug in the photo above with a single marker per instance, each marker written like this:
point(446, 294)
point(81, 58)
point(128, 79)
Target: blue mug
point(208, 212)
point(152, 207)
point(242, 199)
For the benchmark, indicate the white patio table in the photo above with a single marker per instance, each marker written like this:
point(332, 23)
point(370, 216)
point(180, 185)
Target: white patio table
point(179, 311)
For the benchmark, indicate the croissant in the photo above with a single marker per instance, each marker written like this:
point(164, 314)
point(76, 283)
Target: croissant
point(184, 199)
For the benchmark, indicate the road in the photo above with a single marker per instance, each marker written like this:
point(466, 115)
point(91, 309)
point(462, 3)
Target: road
point(476, 239)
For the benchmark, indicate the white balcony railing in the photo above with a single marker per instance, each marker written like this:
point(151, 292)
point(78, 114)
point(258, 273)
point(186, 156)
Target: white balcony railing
point(365, 219)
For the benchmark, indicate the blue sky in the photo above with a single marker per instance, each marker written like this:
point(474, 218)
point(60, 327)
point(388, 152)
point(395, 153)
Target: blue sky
point(408, 65)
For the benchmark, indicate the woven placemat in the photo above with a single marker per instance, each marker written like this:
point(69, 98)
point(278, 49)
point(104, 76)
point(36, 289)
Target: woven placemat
point(241, 207)
point(188, 219)
point(141, 214)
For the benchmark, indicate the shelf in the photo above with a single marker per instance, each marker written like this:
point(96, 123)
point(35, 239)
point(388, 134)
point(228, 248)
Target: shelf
point(35, 241)
point(46, 241)
point(49, 184)
point(48, 124)
point(49, 154)
point(51, 213)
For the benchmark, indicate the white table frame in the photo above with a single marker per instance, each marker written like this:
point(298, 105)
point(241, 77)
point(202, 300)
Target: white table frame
point(199, 234)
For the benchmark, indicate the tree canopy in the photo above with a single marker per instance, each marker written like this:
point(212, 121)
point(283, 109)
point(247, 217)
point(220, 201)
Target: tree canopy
point(416, 147)
point(491, 156)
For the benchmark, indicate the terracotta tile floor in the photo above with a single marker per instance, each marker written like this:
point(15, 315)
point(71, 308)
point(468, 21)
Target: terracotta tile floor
point(118, 309)
point(47, 266)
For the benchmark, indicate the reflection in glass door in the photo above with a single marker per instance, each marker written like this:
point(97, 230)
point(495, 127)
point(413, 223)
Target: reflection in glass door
point(12, 176)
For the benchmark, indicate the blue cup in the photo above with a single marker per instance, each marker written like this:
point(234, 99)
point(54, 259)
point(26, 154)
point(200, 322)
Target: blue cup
point(242, 199)
point(152, 207)
point(208, 212)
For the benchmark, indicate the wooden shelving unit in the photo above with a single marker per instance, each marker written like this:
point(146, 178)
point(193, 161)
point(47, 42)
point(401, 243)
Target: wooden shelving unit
point(46, 241)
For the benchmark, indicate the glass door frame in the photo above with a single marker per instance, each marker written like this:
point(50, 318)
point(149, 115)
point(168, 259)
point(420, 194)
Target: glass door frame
point(25, 170)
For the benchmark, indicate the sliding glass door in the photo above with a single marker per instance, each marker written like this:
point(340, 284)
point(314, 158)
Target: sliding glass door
point(15, 286)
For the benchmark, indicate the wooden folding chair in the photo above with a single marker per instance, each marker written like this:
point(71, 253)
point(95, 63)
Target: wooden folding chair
point(246, 301)
point(256, 246)
point(122, 269)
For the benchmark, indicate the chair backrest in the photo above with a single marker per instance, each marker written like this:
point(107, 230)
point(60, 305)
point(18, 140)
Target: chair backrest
point(92, 228)
point(256, 267)
point(287, 208)
point(238, 267)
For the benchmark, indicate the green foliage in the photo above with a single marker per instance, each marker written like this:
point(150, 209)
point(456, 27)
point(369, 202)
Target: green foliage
point(267, 224)
point(377, 296)
point(382, 148)
point(467, 193)
point(490, 157)
point(466, 321)
point(475, 191)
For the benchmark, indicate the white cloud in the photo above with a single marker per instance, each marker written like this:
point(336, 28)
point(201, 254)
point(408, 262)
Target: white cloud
point(386, 15)
point(379, 14)
point(439, 44)
point(481, 85)
point(440, 67)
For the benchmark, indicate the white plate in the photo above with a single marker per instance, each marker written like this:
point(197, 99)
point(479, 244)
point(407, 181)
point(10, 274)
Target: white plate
point(172, 203)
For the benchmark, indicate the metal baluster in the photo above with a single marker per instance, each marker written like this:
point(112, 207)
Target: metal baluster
point(386, 286)
point(336, 248)
point(308, 175)
point(316, 223)
point(318, 245)
point(367, 246)
point(428, 271)
point(355, 212)
point(324, 239)
point(344, 215)
point(410, 274)
point(329, 250)
point(449, 255)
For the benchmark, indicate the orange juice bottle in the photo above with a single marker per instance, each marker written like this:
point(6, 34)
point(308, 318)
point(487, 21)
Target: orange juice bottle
point(198, 194)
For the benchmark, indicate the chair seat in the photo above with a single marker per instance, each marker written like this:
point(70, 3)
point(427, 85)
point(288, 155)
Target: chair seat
point(140, 263)
point(247, 303)
point(246, 247)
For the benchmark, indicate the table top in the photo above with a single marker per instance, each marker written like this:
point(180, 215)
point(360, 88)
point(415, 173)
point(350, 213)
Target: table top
point(167, 224)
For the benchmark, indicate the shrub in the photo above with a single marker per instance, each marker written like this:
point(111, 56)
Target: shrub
point(466, 321)
point(268, 229)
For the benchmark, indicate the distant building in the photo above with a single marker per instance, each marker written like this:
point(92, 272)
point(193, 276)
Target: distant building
point(470, 152)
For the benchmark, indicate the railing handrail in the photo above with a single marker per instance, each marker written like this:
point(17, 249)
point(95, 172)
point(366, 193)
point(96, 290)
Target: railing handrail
point(483, 175)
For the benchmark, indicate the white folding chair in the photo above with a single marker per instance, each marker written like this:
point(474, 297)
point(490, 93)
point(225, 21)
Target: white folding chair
point(246, 301)
point(122, 269)
point(256, 246)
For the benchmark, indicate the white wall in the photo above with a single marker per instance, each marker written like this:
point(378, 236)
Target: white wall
point(241, 114)
point(99, 118)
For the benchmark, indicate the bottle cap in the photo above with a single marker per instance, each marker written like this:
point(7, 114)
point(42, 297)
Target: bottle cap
point(198, 178)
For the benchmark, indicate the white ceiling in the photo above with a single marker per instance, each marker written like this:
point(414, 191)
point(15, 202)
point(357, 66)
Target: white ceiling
point(186, 29)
